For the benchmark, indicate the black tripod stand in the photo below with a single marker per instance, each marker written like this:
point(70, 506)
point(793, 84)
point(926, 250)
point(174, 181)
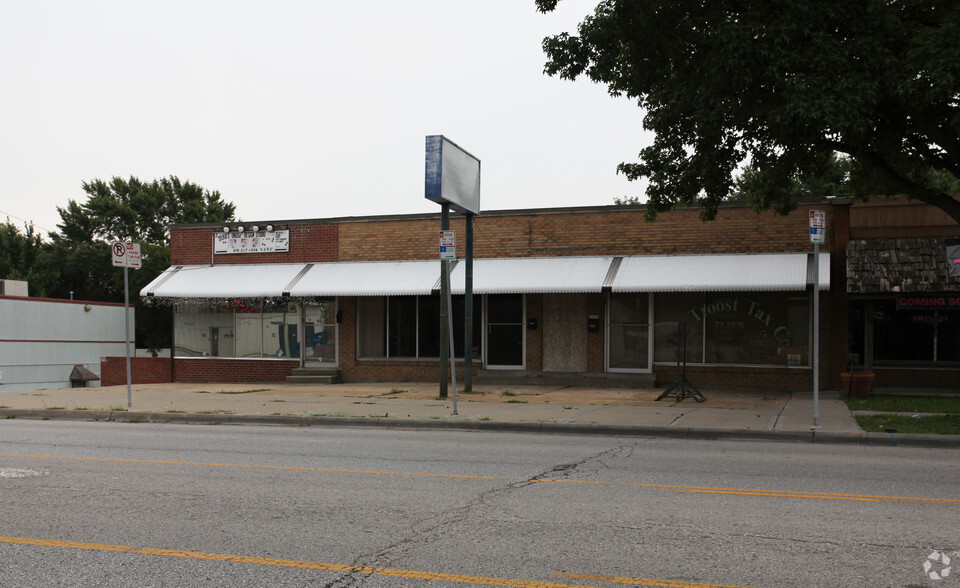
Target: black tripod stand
point(682, 388)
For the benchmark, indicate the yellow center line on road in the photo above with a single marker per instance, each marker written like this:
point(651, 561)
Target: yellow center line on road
point(674, 487)
point(342, 568)
point(776, 493)
point(641, 581)
point(250, 466)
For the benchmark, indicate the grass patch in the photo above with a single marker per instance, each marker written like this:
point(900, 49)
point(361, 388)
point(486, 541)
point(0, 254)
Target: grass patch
point(217, 411)
point(278, 400)
point(244, 391)
point(174, 411)
point(327, 414)
point(10, 416)
point(2, 407)
point(393, 391)
point(515, 401)
point(81, 408)
point(507, 393)
point(944, 404)
point(948, 424)
point(485, 419)
point(117, 409)
point(201, 392)
point(57, 408)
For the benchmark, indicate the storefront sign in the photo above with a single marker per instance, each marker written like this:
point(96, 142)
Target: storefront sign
point(929, 301)
point(251, 242)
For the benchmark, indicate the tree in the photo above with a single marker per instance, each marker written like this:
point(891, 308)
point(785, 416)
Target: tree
point(22, 257)
point(777, 87)
point(128, 210)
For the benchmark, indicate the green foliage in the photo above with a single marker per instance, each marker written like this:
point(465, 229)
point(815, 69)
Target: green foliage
point(77, 261)
point(779, 87)
point(22, 257)
point(917, 404)
point(948, 424)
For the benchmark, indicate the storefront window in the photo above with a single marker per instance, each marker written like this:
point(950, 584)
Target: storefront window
point(914, 335)
point(749, 328)
point(240, 328)
point(409, 326)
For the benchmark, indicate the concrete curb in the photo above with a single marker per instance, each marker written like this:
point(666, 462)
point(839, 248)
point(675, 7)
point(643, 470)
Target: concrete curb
point(689, 433)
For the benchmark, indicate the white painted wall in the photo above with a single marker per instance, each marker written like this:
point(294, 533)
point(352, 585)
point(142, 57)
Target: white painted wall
point(42, 339)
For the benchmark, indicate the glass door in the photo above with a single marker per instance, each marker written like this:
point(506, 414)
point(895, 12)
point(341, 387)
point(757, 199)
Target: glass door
point(320, 333)
point(505, 331)
point(628, 332)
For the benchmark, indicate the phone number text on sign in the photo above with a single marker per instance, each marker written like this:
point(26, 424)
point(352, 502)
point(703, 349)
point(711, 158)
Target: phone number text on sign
point(251, 242)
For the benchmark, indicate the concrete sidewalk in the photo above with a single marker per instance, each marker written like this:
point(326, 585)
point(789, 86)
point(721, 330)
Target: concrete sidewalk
point(532, 408)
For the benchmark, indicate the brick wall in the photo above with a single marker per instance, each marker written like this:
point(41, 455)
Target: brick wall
point(143, 370)
point(193, 245)
point(893, 377)
point(614, 230)
point(222, 369)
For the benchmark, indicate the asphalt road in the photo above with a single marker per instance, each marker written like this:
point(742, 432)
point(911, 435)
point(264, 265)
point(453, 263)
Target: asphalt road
point(110, 504)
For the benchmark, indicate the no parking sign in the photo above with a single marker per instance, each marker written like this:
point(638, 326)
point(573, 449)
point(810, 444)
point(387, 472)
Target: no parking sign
point(126, 254)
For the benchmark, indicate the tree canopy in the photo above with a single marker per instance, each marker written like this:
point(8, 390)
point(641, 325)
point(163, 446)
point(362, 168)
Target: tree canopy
point(774, 88)
point(76, 263)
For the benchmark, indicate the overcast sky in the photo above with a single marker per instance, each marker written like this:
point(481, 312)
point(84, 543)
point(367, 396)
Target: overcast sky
point(300, 109)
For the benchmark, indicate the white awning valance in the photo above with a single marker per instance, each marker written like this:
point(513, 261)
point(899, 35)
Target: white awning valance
point(534, 275)
point(224, 281)
point(519, 275)
point(720, 273)
point(368, 278)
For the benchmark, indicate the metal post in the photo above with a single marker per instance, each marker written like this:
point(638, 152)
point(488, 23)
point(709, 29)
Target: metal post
point(444, 309)
point(816, 334)
point(126, 326)
point(453, 353)
point(468, 310)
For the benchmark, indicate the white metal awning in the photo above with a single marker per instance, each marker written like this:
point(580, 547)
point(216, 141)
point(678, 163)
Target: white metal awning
point(534, 275)
point(224, 281)
point(719, 273)
point(367, 278)
point(520, 275)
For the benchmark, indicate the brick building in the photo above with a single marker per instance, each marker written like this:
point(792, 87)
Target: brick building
point(583, 293)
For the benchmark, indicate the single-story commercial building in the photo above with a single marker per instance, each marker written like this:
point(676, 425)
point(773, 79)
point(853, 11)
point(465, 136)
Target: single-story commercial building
point(590, 292)
point(581, 293)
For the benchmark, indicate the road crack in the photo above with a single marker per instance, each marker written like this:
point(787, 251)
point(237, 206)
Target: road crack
point(364, 564)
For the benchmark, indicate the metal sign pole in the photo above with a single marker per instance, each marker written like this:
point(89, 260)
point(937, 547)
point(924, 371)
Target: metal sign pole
point(444, 309)
point(816, 334)
point(126, 326)
point(818, 230)
point(468, 310)
point(453, 354)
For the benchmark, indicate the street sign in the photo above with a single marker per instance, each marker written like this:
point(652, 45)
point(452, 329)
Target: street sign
point(818, 226)
point(448, 245)
point(126, 254)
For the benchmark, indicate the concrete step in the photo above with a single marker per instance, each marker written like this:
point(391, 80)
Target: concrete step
point(313, 380)
point(328, 375)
